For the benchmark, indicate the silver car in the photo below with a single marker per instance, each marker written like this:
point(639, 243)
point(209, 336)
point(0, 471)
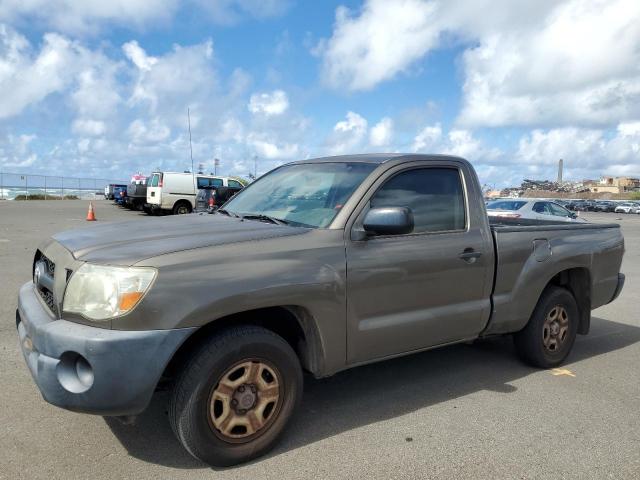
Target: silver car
point(627, 207)
point(531, 209)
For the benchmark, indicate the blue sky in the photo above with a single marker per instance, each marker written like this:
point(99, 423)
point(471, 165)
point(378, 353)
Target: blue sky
point(98, 88)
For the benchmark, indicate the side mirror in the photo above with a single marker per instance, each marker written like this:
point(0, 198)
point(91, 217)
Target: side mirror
point(573, 215)
point(388, 221)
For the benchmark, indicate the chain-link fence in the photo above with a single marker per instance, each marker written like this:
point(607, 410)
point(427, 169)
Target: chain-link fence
point(18, 186)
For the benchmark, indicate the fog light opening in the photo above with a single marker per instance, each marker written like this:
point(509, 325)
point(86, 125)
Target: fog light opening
point(74, 372)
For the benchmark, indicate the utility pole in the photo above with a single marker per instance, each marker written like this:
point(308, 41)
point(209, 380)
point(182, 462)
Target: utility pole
point(255, 166)
point(216, 164)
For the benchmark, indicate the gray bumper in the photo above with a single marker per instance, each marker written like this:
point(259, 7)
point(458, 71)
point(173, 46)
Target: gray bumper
point(89, 369)
point(619, 287)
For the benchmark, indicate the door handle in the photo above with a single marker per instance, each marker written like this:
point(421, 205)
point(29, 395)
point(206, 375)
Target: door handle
point(470, 255)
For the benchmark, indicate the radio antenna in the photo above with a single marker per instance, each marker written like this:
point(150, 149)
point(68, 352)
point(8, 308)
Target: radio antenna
point(193, 172)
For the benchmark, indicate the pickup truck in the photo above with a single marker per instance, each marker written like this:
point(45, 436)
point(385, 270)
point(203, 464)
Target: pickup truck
point(318, 266)
point(136, 193)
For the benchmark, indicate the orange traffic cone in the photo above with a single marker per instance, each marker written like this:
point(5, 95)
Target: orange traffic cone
point(91, 216)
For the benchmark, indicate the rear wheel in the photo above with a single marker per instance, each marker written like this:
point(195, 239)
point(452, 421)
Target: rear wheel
point(235, 396)
point(549, 336)
point(181, 208)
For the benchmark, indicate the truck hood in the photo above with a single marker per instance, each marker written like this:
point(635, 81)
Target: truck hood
point(126, 243)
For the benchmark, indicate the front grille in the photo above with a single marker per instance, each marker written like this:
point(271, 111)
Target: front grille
point(46, 293)
point(47, 296)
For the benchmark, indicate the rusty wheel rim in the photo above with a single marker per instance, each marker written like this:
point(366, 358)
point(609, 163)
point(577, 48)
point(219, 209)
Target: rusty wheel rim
point(555, 329)
point(245, 401)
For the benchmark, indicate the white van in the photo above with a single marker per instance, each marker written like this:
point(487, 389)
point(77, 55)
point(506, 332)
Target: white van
point(176, 192)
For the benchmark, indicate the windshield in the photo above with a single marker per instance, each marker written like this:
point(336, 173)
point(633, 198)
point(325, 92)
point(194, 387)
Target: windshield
point(307, 194)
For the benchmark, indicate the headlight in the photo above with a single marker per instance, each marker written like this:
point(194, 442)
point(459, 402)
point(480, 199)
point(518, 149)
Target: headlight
point(101, 293)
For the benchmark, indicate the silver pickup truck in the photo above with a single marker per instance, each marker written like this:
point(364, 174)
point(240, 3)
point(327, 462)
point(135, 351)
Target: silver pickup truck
point(319, 266)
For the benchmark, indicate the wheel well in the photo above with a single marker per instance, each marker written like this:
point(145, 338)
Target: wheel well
point(290, 322)
point(578, 282)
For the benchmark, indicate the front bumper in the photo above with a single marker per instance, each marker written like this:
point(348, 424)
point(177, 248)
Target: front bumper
point(88, 369)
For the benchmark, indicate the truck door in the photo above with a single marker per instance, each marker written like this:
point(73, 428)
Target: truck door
point(428, 287)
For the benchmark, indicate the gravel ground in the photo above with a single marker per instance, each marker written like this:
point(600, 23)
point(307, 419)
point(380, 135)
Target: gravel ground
point(467, 411)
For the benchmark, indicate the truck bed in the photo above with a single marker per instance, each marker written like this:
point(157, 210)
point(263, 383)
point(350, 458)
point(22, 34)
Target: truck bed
point(524, 250)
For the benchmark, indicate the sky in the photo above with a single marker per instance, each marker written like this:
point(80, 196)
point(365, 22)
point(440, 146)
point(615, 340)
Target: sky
point(97, 88)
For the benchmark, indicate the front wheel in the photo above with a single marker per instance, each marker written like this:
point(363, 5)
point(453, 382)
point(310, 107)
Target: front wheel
point(549, 336)
point(235, 396)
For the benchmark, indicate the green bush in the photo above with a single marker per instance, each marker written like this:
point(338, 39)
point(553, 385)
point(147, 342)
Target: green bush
point(635, 196)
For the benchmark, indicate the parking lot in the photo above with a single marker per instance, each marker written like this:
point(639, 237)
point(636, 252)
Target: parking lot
point(467, 411)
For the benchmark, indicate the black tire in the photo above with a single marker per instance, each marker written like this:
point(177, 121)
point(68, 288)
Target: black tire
point(531, 340)
point(192, 394)
point(182, 208)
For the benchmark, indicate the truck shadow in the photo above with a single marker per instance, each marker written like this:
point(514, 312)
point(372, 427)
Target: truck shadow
point(377, 392)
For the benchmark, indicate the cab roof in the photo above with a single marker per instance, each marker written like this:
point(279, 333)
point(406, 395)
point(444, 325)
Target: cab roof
point(377, 158)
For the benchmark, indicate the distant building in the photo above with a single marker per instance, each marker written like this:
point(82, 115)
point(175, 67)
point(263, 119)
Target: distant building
point(615, 185)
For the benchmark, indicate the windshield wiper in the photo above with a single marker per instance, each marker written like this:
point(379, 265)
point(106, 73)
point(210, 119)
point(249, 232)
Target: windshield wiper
point(262, 217)
point(227, 213)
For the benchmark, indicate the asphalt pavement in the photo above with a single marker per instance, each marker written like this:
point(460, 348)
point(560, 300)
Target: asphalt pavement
point(467, 411)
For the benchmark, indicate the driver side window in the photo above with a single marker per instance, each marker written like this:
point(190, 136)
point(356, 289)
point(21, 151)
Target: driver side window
point(434, 195)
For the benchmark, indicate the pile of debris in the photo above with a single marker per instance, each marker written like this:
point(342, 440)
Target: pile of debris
point(544, 185)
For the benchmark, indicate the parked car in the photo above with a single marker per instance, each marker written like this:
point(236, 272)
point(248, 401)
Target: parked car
point(585, 206)
point(137, 192)
point(171, 192)
point(210, 199)
point(320, 265)
point(109, 190)
point(120, 194)
point(531, 209)
point(627, 207)
point(604, 206)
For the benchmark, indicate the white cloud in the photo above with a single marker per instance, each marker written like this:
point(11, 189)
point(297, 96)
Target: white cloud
point(89, 127)
point(544, 63)
point(138, 56)
point(347, 134)
point(172, 82)
point(381, 133)
point(590, 151)
point(457, 142)
point(27, 77)
point(96, 95)
point(270, 149)
point(155, 131)
point(427, 139)
point(15, 151)
point(580, 67)
point(383, 40)
point(86, 16)
point(273, 103)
